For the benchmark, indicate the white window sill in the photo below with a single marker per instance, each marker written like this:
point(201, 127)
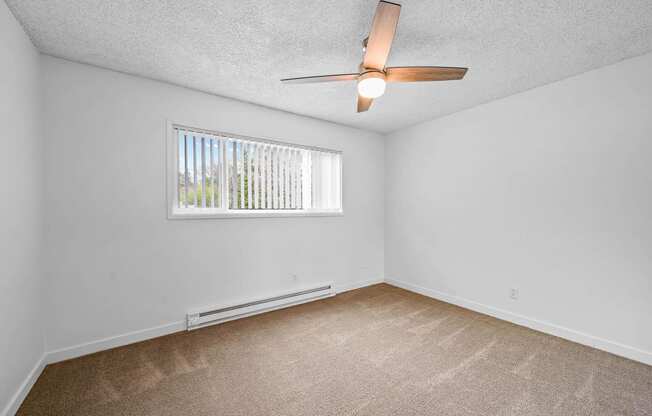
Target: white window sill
point(196, 214)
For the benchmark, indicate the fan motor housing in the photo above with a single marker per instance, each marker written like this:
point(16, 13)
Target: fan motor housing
point(371, 73)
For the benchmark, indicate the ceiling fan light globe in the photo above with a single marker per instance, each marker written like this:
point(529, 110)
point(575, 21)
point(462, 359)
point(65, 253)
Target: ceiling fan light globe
point(371, 87)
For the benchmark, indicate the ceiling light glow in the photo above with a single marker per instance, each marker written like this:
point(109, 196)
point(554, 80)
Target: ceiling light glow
point(372, 86)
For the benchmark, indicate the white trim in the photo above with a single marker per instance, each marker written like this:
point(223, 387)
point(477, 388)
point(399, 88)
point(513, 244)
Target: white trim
point(154, 332)
point(356, 285)
point(570, 334)
point(259, 312)
point(216, 314)
point(149, 333)
point(224, 212)
point(336, 289)
point(17, 399)
point(260, 213)
point(170, 168)
point(113, 342)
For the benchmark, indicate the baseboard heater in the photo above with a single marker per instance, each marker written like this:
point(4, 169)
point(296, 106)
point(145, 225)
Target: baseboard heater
point(218, 314)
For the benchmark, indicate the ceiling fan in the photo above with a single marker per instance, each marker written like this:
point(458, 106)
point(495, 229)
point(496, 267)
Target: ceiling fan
point(373, 74)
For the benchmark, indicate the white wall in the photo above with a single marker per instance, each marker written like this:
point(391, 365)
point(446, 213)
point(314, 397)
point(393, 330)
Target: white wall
point(548, 191)
point(115, 263)
point(21, 229)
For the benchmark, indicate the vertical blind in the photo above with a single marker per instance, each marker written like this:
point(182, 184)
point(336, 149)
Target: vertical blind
point(226, 173)
point(200, 163)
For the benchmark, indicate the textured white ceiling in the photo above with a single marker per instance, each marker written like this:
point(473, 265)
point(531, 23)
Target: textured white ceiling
point(241, 48)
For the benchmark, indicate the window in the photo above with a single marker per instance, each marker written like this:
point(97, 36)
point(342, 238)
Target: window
point(214, 175)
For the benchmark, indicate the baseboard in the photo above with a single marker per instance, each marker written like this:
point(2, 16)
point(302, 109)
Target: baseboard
point(149, 333)
point(18, 398)
point(113, 342)
point(356, 285)
point(570, 334)
point(154, 332)
point(336, 288)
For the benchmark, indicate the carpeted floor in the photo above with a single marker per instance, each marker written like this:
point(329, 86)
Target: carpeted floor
point(373, 351)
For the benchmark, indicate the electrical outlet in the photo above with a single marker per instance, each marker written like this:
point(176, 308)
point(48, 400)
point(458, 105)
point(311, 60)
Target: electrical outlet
point(513, 293)
point(295, 277)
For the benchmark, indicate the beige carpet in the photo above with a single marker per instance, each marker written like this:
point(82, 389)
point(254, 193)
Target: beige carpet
point(374, 351)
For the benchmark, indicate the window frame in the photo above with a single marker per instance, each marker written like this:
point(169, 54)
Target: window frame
point(223, 212)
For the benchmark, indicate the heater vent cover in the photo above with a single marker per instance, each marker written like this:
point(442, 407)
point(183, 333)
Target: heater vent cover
point(218, 314)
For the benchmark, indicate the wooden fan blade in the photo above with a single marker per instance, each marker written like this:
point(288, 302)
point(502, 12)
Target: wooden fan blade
point(364, 103)
point(423, 73)
point(321, 78)
point(381, 35)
